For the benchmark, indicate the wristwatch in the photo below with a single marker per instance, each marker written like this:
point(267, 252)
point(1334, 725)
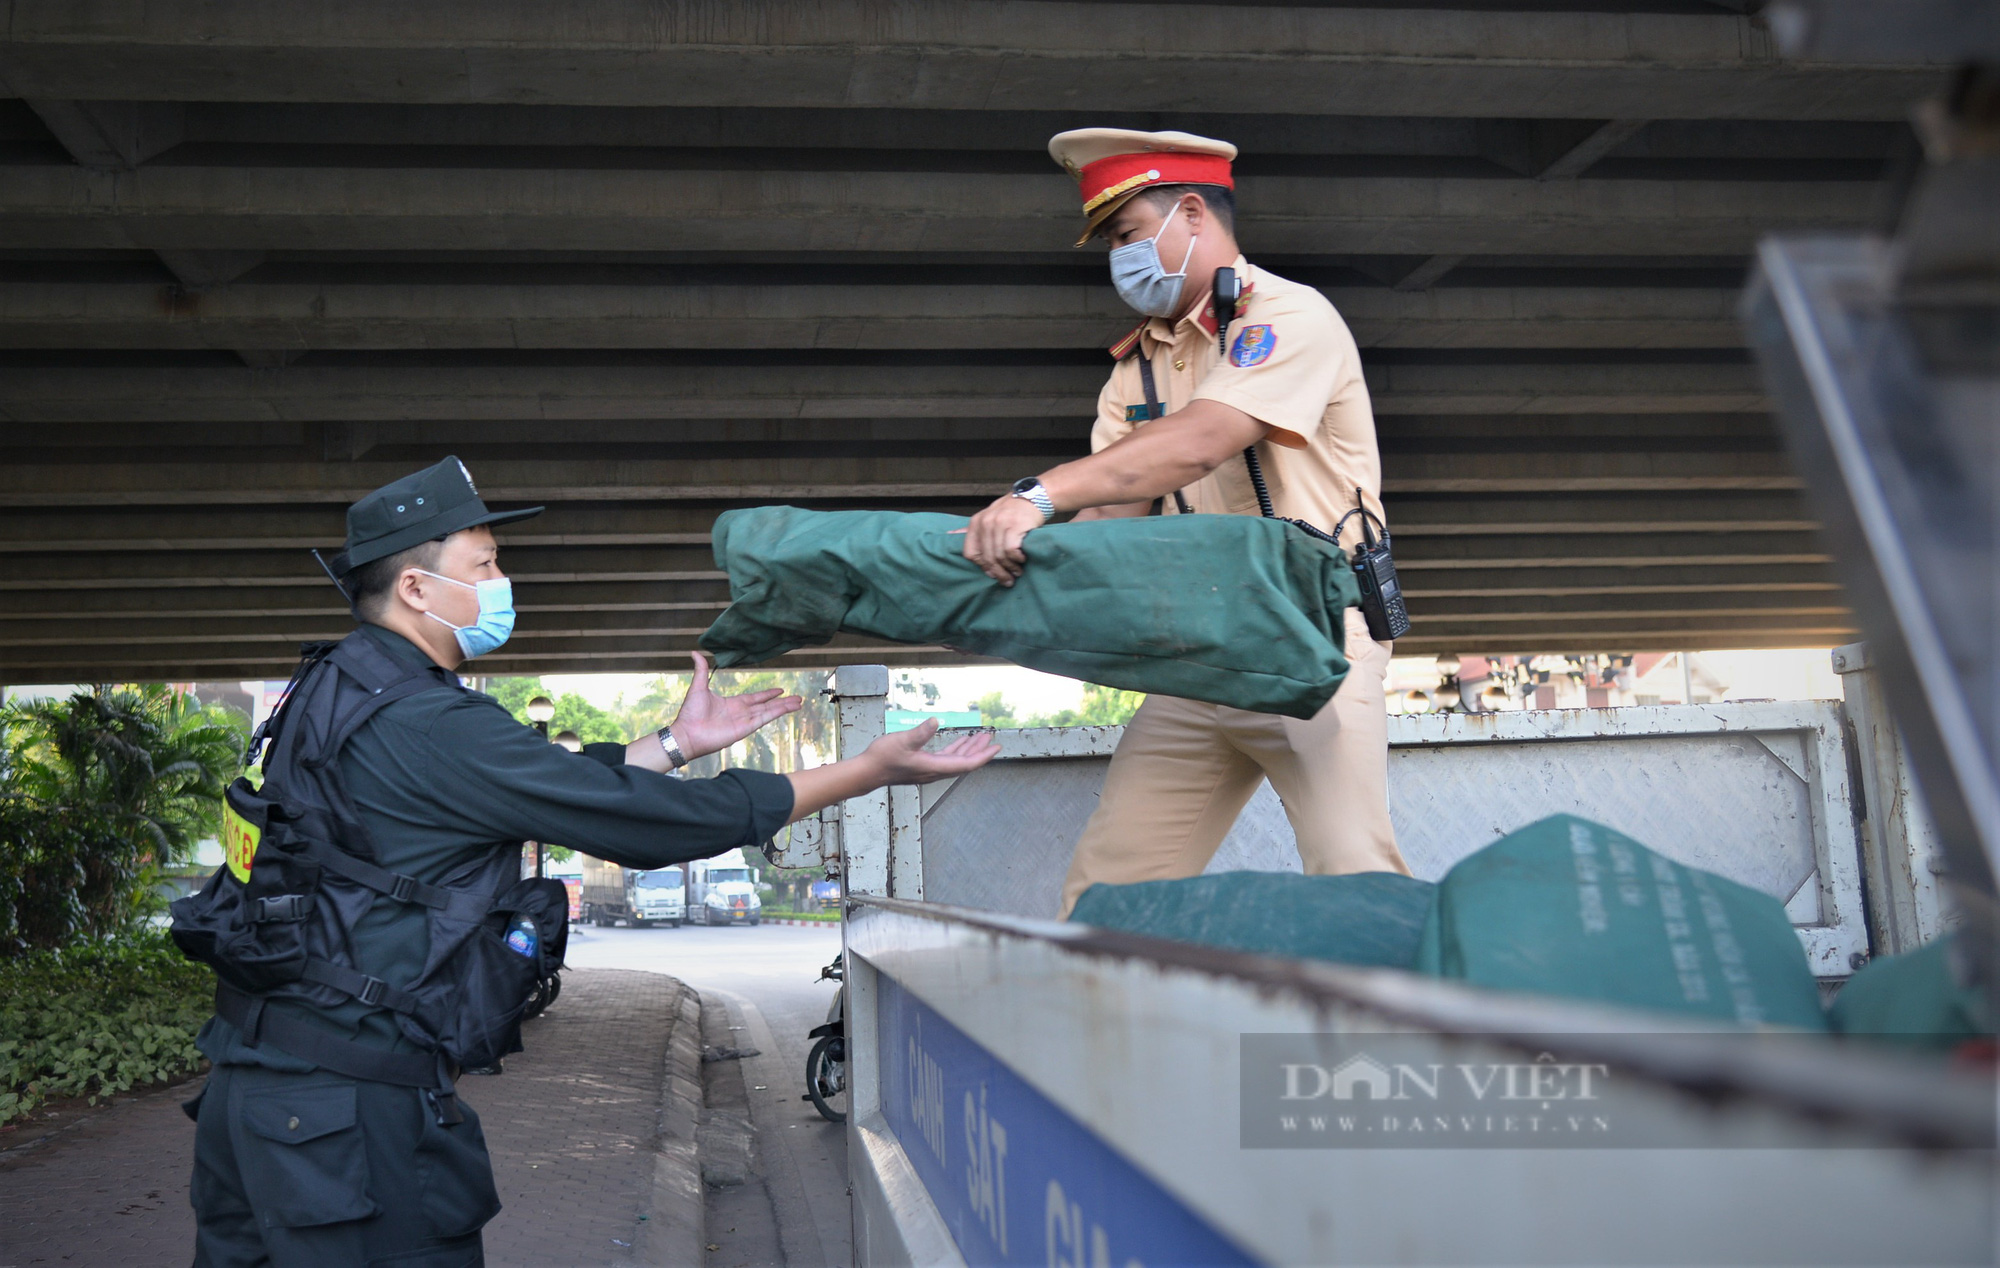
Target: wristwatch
point(1030, 490)
point(672, 748)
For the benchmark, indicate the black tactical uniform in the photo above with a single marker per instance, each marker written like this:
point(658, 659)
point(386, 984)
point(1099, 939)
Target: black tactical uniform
point(296, 1165)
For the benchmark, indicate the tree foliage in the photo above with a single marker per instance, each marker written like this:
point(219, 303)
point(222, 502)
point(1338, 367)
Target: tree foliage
point(1101, 706)
point(97, 792)
point(994, 710)
point(573, 713)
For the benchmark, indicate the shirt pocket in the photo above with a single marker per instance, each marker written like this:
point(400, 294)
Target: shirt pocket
point(304, 1161)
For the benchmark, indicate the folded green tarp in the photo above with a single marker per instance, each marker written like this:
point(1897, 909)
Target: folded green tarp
point(1912, 999)
point(1370, 918)
point(1230, 609)
point(1569, 907)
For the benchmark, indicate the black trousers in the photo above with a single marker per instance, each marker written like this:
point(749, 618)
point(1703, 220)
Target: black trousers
point(323, 1171)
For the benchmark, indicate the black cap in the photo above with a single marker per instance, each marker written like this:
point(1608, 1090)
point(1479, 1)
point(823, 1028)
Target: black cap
point(432, 504)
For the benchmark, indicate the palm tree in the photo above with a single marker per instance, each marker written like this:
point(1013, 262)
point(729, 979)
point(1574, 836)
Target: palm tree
point(96, 792)
point(149, 757)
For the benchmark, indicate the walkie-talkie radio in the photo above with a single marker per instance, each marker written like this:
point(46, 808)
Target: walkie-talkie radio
point(1382, 604)
point(1228, 291)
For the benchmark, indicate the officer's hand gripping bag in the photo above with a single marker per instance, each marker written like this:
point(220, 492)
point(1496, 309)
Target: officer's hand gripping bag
point(1572, 908)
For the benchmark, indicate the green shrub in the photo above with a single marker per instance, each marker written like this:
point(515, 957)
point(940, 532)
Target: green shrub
point(96, 1018)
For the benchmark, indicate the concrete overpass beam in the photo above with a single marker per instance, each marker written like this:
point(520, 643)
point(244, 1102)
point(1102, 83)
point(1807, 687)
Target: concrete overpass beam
point(112, 136)
point(621, 210)
point(609, 392)
point(202, 269)
point(937, 53)
point(1579, 157)
point(410, 317)
point(1558, 468)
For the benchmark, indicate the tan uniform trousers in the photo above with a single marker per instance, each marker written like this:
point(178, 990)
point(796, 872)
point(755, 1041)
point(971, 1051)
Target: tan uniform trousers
point(1185, 770)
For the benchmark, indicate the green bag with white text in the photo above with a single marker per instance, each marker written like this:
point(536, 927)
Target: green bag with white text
point(1569, 907)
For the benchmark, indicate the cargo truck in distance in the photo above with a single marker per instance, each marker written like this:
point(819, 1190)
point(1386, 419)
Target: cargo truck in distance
point(723, 891)
point(612, 893)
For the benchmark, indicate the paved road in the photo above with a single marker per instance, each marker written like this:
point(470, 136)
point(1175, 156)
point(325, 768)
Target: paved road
point(570, 1125)
point(767, 978)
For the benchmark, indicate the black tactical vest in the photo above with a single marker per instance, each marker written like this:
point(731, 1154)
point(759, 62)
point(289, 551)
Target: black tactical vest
point(276, 920)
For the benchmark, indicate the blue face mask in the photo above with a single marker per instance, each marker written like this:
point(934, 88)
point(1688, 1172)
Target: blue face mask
point(496, 615)
point(1142, 281)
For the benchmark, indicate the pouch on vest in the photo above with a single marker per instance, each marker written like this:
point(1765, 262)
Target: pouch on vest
point(476, 982)
point(249, 922)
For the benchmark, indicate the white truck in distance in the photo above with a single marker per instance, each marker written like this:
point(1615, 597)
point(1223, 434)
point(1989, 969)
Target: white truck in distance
point(723, 891)
point(612, 893)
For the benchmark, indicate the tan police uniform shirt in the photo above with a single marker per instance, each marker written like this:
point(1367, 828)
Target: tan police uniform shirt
point(1184, 770)
point(1292, 365)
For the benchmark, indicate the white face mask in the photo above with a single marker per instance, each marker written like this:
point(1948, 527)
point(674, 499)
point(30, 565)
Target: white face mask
point(1142, 281)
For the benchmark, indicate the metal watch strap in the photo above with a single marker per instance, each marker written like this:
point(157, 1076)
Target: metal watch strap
point(671, 747)
point(1036, 496)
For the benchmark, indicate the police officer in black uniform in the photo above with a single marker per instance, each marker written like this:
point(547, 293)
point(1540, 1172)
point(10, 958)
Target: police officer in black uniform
point(299, 1161)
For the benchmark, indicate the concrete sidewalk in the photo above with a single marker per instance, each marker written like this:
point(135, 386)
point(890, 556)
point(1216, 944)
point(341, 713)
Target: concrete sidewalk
point(576, 1127)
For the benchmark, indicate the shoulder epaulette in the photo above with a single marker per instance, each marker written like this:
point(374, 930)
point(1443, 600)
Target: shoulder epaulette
point(1123, 348)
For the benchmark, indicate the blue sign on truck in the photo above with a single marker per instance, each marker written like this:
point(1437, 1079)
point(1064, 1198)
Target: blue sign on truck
point(1017, 1180)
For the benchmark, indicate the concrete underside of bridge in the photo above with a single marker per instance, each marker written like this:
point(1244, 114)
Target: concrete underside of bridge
point(644, 261)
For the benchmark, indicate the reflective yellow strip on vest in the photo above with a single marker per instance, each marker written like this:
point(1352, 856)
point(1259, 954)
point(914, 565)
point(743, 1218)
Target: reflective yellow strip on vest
point(239, 842)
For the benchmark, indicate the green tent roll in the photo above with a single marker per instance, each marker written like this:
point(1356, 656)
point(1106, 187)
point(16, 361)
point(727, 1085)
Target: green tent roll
point(1569, 907)
point(1912, 1000)
point(1229, 609)
point(1368, 918)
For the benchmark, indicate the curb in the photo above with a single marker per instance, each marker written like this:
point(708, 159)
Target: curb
point(802, 924)
point(726, 1133)
point(674, 1232)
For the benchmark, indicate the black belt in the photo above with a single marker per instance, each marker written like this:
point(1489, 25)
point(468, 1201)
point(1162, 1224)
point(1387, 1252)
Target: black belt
point(308, 1042)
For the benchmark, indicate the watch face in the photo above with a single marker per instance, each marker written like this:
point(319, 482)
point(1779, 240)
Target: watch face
point(1026, 485)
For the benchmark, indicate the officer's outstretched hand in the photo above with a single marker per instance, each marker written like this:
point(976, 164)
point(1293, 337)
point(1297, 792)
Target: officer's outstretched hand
point(902, 759)
point(893, 759)
point(709, 723)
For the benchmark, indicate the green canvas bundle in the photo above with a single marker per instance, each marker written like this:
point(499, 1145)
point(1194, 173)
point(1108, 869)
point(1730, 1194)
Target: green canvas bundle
point(1569, 907)
point(1229, 609)
point(1913, 999)
point(1369, 918)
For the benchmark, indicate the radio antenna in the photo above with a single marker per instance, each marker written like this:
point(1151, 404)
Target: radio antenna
point(332, 576)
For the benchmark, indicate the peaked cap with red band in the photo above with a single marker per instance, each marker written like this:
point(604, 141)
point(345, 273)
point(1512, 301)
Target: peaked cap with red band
point(1113, 164)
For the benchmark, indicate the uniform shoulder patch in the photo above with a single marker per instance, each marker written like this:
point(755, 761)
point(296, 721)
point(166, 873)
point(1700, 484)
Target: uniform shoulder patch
point(1253, 345)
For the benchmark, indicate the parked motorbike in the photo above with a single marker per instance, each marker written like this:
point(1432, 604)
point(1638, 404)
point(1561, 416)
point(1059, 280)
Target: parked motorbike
point(826, 1064)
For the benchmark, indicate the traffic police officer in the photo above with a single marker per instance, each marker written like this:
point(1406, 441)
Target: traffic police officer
point(1291, 385)
point(298, 1165)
